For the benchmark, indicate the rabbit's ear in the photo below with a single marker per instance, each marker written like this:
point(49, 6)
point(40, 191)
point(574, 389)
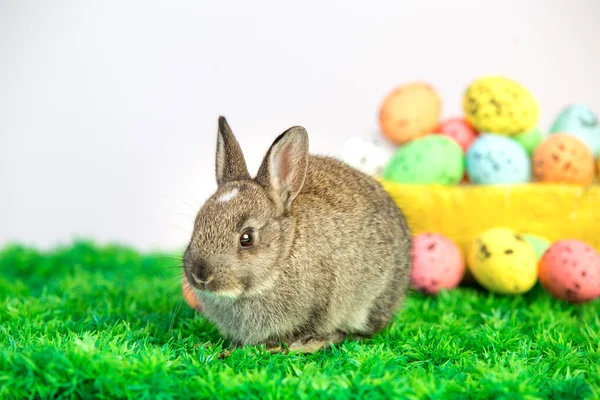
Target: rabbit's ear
point(283, 170)
point(230, 164)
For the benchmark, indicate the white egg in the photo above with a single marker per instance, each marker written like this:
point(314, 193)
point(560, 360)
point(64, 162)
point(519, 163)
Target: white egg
point(366, 154)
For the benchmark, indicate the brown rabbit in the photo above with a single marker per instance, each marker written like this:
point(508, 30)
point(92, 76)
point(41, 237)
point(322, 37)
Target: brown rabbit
point(309, 252)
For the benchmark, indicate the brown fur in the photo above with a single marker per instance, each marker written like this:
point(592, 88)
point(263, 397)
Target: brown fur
point(331, 255)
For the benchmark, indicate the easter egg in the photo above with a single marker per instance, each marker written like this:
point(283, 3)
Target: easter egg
point(459, 130)
point(437, 263)
point(367, 155)
point(581, 122)
point(497, 159)
point(561, 158)
point(430, 159)
point(499, 104)
point(570, 270)
point(470, 255)
point(189, 295)
point(410, 111)
point(530, 140)
point(539, 244)
point(504, 262)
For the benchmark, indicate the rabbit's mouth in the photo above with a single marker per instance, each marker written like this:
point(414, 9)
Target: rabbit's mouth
point(222, 294)
point(213, 288)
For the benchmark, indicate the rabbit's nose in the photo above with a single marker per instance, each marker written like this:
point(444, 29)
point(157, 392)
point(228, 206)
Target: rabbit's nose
point(201, 273)
point(202, 282)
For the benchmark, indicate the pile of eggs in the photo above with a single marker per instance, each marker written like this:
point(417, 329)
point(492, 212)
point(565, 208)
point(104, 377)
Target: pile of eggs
point(507, 262)
point(497, 141)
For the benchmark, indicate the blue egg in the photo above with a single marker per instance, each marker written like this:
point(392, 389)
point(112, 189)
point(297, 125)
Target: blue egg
point(494, 159)
point(579, 121)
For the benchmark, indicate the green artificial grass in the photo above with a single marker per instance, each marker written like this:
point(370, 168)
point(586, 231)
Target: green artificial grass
point(86, 321)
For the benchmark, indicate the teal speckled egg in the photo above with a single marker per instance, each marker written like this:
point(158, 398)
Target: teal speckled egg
point(580, 121)
point(432, 159)
point(496, 159)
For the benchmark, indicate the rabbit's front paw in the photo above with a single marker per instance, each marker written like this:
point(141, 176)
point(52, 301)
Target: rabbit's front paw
point(311, 344)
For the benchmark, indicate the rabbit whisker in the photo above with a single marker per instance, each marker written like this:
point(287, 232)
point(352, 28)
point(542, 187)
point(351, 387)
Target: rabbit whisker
point(179, 183)
point(162, 258)
point(173, 226)
point(171, 267)
point(175, 314)
point(183, 201)
point(191, 217)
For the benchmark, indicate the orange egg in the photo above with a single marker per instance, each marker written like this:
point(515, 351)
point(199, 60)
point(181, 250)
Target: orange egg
point(410, 111)
point(562, 158)
point(188, 294)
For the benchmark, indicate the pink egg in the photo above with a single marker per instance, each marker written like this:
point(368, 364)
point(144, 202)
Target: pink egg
point(437, 263)
point(459, 130)
point(570, 270)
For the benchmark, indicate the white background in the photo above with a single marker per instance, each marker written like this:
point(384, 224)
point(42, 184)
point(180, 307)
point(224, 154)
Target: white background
point(109, 109)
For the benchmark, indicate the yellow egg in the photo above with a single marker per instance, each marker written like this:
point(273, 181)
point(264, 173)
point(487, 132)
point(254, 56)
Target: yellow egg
point(496, 104)
point(470, 256)
point(504, 262)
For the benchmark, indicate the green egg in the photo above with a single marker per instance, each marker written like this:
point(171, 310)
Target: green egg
point(432, 159)
point(530, 139)
point(540, 245)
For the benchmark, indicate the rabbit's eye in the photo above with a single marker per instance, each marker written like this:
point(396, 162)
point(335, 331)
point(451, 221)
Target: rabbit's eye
point(247, 238)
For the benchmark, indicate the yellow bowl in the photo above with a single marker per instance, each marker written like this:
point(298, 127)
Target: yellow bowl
point(463, 212)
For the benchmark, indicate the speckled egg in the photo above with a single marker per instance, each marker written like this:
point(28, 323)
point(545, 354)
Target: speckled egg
point(500, 104)
point(530, 140)
point(570, 270)
point(496, 159)
point(459, 130)
point(428, 160)
point(437, 263)
point(409, 112)
point(562, 158)
point(539, 244)
point(188, 295)
point(580, 121)
point(367, 155)
point(470, 255)
point(504, 262)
